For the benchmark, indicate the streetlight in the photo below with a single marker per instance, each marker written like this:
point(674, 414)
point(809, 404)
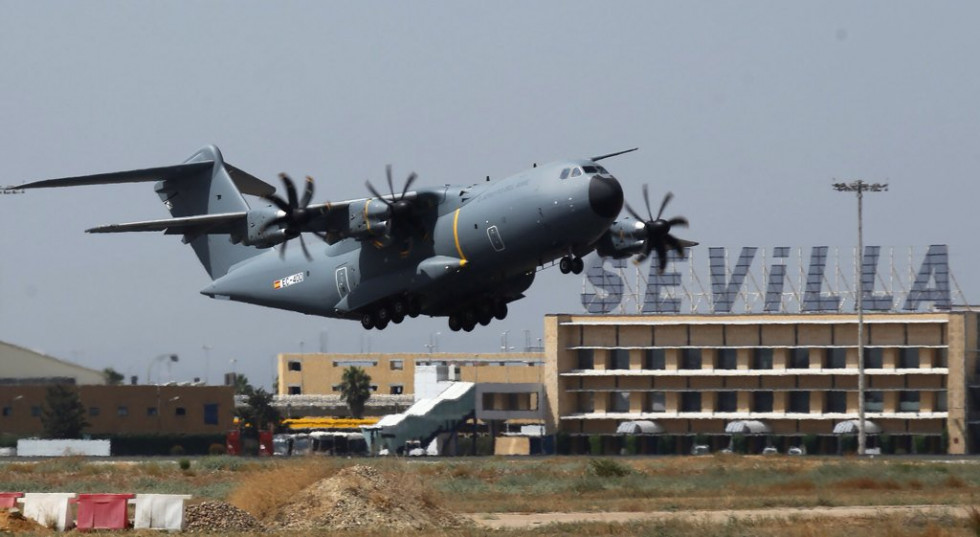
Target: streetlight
point(164, 356)
point(207, 363)
point(433, 341)
point(860, 187)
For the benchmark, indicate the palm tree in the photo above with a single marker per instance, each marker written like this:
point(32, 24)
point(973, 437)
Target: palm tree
point(355, 389)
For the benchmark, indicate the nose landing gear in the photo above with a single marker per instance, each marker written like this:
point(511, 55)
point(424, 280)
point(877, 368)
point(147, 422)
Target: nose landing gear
point(571, 264)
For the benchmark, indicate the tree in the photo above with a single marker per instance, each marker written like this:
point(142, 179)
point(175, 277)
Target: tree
point(259, 411)
point(355, 389)
point(242, 386)
point(63, 415)
point(112, 377)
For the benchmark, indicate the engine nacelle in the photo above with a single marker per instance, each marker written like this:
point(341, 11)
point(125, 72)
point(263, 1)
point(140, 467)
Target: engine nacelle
point(368, 219)
point(622, 239)
point(255, 222)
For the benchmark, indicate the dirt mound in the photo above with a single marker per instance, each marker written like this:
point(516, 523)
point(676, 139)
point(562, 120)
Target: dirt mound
point(219, 516)
point(12, 521)
point(359, 496)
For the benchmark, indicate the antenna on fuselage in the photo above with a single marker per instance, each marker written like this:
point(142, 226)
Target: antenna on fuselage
point(600, 157)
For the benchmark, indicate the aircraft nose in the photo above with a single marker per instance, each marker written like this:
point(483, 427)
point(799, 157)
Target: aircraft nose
point(605, 196)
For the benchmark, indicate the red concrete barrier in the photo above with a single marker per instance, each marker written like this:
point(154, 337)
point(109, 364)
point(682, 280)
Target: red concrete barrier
point(102, 511)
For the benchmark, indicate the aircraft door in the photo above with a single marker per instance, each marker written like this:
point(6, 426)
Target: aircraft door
point(343, 282)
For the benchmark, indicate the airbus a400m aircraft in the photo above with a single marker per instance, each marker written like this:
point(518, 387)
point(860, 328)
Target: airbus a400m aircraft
point(463, 252)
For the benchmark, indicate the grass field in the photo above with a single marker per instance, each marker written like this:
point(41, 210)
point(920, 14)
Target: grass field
point(485, 487)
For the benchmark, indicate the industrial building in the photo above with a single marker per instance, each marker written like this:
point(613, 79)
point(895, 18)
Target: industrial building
point(784, 379)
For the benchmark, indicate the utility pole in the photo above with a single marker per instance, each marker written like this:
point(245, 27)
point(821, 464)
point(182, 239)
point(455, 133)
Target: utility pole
point(860, 187)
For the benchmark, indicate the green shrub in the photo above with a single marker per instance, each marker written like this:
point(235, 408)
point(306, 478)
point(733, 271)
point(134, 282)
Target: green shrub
point(608, 468)
point(185, 464)
point(177, 449)
point(216, 449)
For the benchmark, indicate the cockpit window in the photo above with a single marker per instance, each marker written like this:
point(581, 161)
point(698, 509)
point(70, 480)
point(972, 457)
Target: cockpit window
point(576, 172)
point(589, 169)
point(564, 173)
point(602, 170)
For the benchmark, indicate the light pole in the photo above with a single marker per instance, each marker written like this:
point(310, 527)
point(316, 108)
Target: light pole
point(207, 363)
point(860, 187)
point(433, 342)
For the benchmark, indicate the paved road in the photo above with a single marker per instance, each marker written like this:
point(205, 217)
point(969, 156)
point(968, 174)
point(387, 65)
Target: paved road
point(524, 520)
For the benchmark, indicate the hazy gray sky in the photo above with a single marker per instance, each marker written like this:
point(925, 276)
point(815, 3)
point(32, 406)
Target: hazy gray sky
point(746, 111)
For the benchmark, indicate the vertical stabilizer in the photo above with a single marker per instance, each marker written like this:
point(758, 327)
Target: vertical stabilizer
point(210, 190)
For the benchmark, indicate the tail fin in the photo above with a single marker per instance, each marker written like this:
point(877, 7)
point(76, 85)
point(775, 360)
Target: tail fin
point(208, 190)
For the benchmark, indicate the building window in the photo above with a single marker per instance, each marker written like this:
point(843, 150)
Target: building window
point(586, 359)
point(908, 358)
point(655, 359)
point(939, 404)
point(619, 402)
point(122, 410)
point(396, 389)
point(397, 365)
point(295, 365)
point(656, 402)
point(874, 401)
point(374, 387)
point(799, 359)
point(586, 402)
point(799, 402)
point(7, 411)
point(762, 401)
point(908, 401)
point(151, 411)
point(35, 411)
point(295, 390)
point(873, 358)
point(726, 402)
point(355, 363)
point(727, 359)
point(942, 358)
point(836, 359)
point(619, 359)
point(94, 411)
point(180, 411)
point(211, 413)
point(691, 359)
point(690, 401)
point(762, 359)
point(835, 402)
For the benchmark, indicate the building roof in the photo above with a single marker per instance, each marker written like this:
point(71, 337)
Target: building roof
point(20, 365)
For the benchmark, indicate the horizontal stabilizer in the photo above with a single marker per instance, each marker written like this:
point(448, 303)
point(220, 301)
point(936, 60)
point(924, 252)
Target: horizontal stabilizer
point(190, 225)
point(132, 176)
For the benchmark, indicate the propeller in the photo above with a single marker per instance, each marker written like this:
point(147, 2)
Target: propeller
point(296, 216)
point(658, 237)
point(401, 211)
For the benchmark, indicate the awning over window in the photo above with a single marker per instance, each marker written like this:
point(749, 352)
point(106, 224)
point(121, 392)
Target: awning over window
point(639, 427)
point(747, 427)
point(851, 427)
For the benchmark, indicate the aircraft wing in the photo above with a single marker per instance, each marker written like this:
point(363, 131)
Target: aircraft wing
point(192, 225)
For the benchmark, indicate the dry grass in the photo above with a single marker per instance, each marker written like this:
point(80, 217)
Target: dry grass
point(264, 492)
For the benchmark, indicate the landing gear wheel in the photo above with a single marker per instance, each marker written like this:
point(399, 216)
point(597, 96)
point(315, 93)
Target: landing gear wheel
point(367, 321)
point(381, 317)
point(485, 315)
point(454, 323)
point(397, 318)
point(565, 265)
point(469, 326)
point(398, 308)
point(578, 265)
point(500, 310)
point(414, 307)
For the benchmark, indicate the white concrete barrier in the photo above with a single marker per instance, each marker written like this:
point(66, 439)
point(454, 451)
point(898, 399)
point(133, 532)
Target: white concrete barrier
point(160, 511)
point(49, 509)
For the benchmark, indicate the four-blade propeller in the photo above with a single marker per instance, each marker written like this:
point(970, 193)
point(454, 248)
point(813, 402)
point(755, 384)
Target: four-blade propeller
point(658, 237)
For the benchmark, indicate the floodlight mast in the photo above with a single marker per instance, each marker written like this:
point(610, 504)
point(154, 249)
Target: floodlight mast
point(860, 187)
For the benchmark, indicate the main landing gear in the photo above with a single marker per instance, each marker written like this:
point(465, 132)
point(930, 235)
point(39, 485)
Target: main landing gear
point(391, 311)
point(571, 264)
point(482, 313)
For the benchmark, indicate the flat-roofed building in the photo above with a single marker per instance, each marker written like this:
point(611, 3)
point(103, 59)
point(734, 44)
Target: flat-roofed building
point(703, 378)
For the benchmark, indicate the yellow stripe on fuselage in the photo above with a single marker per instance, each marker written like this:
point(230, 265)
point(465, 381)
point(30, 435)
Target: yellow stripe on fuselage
point(456, 237)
